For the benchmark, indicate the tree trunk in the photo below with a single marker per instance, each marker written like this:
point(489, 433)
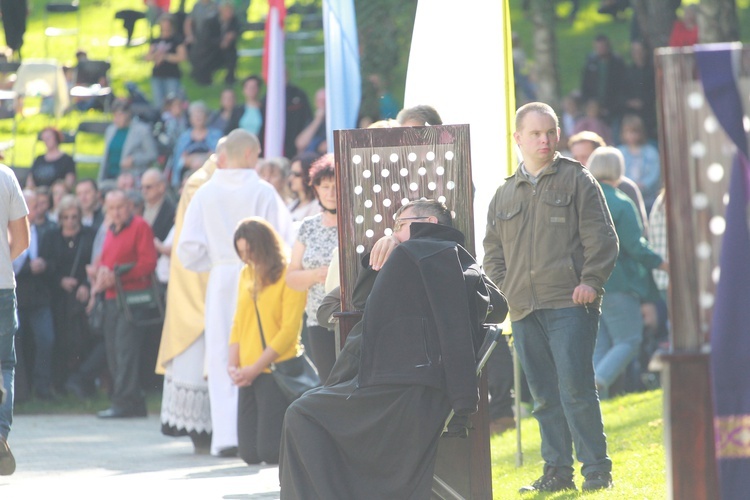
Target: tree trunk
point(545, 52)
point(655, 20)
point(718, 22)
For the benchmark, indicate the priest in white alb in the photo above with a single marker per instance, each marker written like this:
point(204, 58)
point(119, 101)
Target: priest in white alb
point(233, 193)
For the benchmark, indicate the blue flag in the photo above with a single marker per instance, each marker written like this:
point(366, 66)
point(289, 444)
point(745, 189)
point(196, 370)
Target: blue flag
point(343, 79)
point(730, 329)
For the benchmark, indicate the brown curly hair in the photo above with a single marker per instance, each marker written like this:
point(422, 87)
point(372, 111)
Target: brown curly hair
point(265, 247)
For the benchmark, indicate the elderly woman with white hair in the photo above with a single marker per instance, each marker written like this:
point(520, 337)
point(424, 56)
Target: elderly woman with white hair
point(621, 323)
point(195, 145)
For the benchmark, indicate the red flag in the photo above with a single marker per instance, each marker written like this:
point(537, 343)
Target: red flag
point(274, 25)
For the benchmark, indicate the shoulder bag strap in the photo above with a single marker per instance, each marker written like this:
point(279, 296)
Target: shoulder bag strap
point(260, 325)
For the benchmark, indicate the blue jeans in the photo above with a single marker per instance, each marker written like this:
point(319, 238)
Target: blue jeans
point(620, 336)
point(37, 321)
point(556, 348)
point(161, 88)
point(8, 327)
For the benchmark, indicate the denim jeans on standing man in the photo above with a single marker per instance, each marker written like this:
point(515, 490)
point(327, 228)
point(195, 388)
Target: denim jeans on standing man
point(8, 327)
point(556, 348)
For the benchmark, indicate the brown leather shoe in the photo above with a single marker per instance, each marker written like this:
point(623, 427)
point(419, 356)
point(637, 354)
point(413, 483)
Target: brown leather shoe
point(7, 462)
point(502, 424)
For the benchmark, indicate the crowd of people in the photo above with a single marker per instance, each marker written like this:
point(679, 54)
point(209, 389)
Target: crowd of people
point(214, 250)
point(233, 251)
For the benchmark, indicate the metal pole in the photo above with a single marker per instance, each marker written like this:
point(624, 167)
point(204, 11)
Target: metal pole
point(517, 402)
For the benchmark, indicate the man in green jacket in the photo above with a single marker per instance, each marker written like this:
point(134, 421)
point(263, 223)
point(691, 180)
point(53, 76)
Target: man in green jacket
point(550, 246)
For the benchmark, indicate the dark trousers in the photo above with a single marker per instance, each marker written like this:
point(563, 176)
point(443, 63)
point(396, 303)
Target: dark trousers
point(123, 344)
point(229, 61)
point(322, 343)
point(500, 381)
point(260, 417)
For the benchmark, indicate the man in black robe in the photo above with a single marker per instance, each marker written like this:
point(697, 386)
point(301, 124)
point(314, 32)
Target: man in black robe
point(375, 435)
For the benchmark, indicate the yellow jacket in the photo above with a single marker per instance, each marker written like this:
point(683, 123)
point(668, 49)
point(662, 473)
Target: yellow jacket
point(281, 310)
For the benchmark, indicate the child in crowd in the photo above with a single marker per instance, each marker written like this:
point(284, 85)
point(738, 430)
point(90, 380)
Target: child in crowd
point(593, 122)
point(275, 171)
point(641, 158)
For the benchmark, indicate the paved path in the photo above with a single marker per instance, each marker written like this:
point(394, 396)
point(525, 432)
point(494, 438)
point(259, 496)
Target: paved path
point(82, 457)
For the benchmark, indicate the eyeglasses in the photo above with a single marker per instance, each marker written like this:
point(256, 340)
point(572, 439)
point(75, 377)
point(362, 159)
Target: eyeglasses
point(401, 220)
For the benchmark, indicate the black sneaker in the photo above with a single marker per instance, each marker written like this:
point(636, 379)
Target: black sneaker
point(549, 482)
point(598, 480)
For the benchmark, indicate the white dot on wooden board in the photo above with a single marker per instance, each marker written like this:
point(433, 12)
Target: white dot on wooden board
point(360, 248)
point(359, 219)
point(376, 188)
point(394, 157)
point(698, 149)
point(430, 156)
point(368, 203)
point(357, 189)
point(385, 172)
point(395, 187)
point(378, 218)
point(366, 174)
point(695, 100)
point(703, 250)
point(375, 158)
point(369, 233)
point(715, 172)
point(449, 155)
point(710, 124)
point(450, 185)
point(356, 159)
point(421, 170)
point(700, 201)
point(440, 170)
point(717, 225)
point(412, 156)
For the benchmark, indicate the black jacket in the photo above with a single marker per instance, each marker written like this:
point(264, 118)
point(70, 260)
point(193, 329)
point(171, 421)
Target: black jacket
point(34, 290)
point(422, 321)
point(164, 219)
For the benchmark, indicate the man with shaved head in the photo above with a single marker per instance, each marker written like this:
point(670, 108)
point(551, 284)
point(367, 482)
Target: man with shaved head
point(234, 192)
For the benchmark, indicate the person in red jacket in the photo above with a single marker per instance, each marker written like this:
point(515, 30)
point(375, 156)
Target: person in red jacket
point(129, 241)
point(685, 30)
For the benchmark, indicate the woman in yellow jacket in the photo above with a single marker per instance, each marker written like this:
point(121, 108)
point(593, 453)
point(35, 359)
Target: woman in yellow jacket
point(265, 306)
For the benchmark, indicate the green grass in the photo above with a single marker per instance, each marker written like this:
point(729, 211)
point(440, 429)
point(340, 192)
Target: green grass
point(128, 65)
point(634, 428)
point(70, 405)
